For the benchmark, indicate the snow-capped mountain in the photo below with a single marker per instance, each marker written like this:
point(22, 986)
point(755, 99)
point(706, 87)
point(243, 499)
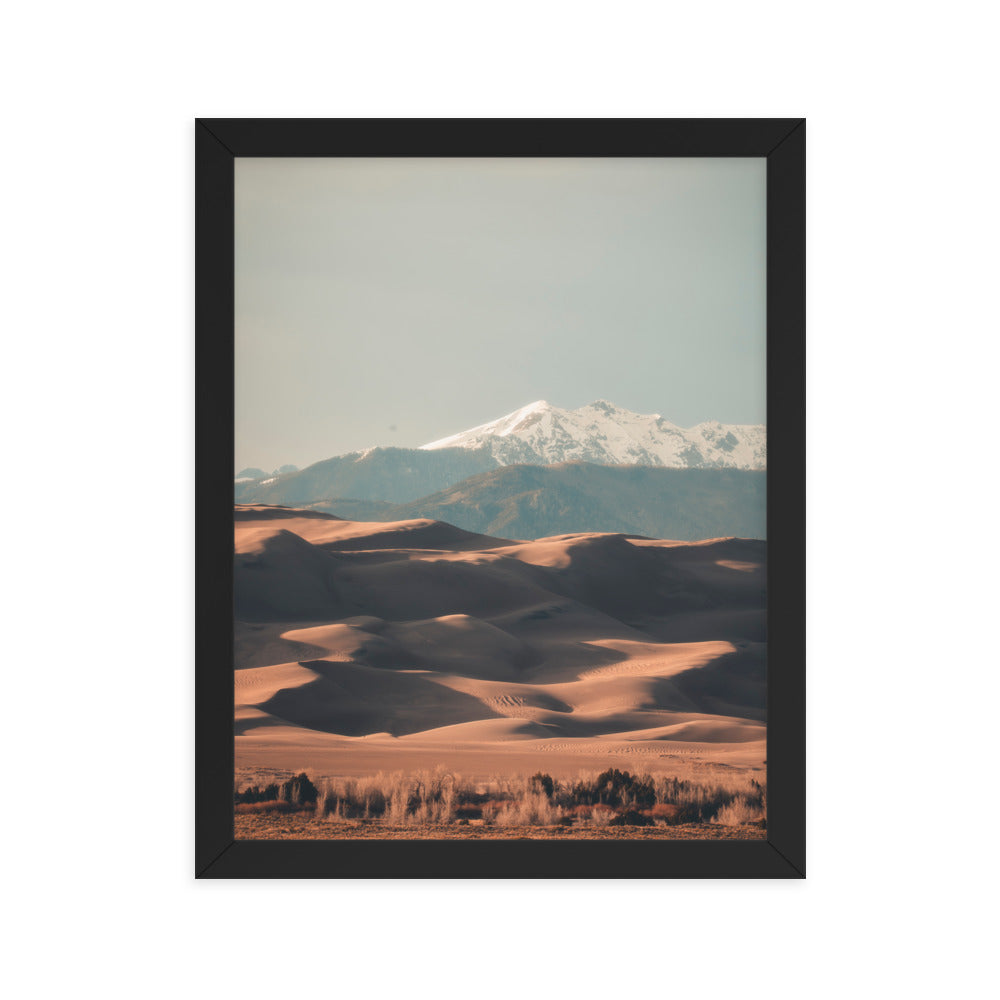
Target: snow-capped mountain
point(605, 434)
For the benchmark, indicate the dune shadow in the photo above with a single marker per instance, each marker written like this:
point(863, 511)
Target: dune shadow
point(354, 700)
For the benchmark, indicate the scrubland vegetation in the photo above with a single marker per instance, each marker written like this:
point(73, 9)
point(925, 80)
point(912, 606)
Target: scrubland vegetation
point(442, 799)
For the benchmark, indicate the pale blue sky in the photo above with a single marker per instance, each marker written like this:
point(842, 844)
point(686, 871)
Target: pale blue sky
point(396, 301)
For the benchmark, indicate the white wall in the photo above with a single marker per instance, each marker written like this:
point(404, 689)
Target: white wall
point(97, 404)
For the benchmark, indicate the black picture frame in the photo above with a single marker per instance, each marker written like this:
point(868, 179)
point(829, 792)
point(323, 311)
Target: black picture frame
point(218, 142)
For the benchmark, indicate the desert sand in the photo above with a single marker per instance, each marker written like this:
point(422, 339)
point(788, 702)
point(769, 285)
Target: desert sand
point(365, 647)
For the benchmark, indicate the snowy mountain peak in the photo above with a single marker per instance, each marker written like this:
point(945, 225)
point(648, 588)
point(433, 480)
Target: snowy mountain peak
point(519, 420)
point(607, 434)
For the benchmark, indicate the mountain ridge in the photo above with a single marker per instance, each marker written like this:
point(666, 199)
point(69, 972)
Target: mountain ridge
point(605, 434)
point(395, 475)
point(600, 433)
point(542, 471)
point(526, 501)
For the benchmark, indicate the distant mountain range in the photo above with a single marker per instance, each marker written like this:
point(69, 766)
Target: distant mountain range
point(254, 474)
point(524, 501)
point(543, 471)
point(393, 474)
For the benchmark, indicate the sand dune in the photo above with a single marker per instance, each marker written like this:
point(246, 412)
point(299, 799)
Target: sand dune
point(331, 532)
point(396, 644)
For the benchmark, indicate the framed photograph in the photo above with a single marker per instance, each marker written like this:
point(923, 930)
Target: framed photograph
point(500, 498)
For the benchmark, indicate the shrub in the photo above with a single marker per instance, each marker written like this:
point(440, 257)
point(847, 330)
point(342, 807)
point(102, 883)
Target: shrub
point(601, 815)
point(631, 818)
point(542, 783)
point(297, 791)
point(615, 788)
point(274, 805)
point(254, 793)
point(532, 809)
point(738, 812)
point(442, 797)
point(664, 811)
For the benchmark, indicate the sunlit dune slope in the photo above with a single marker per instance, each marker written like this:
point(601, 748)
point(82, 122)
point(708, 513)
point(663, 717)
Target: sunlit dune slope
point(419, 633)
